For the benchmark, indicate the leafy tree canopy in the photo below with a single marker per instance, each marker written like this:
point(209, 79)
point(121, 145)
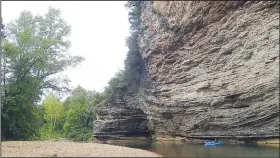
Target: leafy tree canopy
point(35, 50)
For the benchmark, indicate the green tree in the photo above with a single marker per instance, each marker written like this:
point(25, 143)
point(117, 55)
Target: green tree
point(80, 114)
point(95, 98)
point(35, 50)
point(116, 87)
point(53, 111)
point(53, 118)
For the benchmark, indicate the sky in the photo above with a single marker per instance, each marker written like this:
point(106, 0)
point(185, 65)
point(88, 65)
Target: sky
point(99, 30)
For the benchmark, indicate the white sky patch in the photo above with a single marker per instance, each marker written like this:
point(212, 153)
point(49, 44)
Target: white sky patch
point(99, 30)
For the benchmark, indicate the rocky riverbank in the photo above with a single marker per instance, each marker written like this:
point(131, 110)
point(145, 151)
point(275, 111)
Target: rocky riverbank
point(69, 149)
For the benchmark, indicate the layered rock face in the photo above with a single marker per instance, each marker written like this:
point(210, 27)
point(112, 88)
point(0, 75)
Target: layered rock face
point(213, 69)
point(118, 119)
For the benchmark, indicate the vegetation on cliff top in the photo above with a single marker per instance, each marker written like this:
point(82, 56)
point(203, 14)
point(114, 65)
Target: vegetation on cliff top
point(133, 63)
point(129, 80)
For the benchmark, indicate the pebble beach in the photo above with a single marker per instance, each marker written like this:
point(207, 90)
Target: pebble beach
point(69, 149)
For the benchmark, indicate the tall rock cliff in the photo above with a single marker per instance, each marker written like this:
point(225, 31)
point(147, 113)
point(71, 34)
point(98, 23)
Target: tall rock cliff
point(213, 69)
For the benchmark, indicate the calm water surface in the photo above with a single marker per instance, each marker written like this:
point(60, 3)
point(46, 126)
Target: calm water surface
point(171, 149)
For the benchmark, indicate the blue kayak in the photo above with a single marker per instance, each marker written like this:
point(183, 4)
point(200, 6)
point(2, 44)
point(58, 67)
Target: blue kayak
point(213, 143)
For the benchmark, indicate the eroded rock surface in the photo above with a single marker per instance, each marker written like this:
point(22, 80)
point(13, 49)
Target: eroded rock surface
point(118, 119)
point(214, 67)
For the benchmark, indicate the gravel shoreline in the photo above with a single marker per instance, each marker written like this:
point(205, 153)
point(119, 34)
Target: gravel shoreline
point(69, 149)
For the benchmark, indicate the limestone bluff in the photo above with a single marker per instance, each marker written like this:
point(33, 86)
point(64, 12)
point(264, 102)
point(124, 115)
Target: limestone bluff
point(212, 70)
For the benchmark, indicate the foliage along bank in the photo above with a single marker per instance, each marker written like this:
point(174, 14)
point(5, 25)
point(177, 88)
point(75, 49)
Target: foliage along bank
point(71, 119)
point(35, 49)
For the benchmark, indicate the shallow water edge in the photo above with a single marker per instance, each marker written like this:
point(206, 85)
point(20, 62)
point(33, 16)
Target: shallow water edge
point(187, 149)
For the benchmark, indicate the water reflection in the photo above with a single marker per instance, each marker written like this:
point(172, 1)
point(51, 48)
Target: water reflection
point(172, 149)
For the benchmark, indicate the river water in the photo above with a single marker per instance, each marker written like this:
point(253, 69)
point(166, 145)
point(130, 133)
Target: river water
point(172, 149)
